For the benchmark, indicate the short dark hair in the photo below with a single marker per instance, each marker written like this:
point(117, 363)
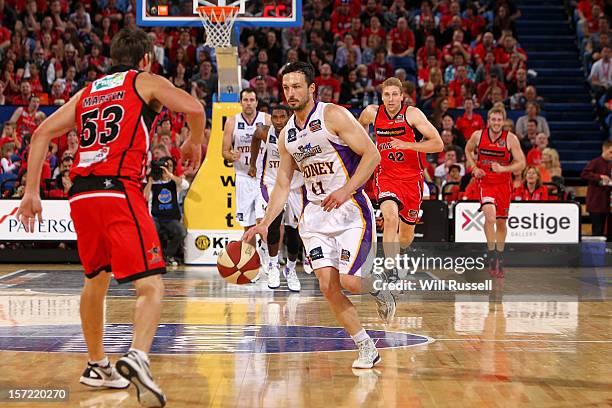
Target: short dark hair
point(303, 67)
point(535, 122)
point(284, 108)
point(248, 90)
point(129, 47)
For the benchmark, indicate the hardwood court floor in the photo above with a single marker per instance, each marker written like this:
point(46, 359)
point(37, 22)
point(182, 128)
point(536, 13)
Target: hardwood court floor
point(222, 346)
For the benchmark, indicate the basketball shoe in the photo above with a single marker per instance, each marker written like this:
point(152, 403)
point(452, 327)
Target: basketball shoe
point(103, 377)
point(385, 300)
point(368, 355)
point(135, 369)
point(274, 276)
point(292, 280)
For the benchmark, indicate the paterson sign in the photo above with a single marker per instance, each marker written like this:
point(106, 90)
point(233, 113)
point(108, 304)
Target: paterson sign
point(55, 226)
point(528, 222)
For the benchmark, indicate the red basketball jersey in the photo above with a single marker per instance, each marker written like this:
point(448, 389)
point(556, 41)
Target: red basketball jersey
point(113, 124)
point(396, 163)
point(26, 123)
point(494, 151)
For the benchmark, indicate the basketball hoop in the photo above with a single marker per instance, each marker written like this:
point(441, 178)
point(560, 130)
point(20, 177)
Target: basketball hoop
point(218, 22)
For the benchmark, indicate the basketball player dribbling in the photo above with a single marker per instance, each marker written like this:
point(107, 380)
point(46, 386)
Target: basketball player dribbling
point(494, 154)
point(237, 137)
point(295, 203)
point(115, 231)
point(336, 157)
point(398, 180)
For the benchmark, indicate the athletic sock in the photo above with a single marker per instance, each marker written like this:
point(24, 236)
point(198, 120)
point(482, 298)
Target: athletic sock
point(100, 363)
point(360, 336)
point(274, 260)
point(291, 264)
point(141, 354)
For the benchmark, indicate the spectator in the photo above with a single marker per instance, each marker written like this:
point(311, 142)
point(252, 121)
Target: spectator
point(326, 79)
point(442, 171)
point(484, 88)
point(487, 67)
point(448, 138)
point(65, 165)
point(532, 112)
point(517, 89)
point(494, 97)
point(461, 79)
point(470, 121)
point(62, 185)
point(343, 50)
point(454, 176)
point(9, 135)
point(513, 67)
point(264, 94)
point(534, 157)
point(440, 106)
point(326, 94)
point(365, 88)
point(550, 166)
point(598, 173)
point(25, 91)
point(376, 30)
point(508, 47)
point(25, 118)
point(350, 91)
point(396, 11)
point(503, 21)
point(380, 69)
point(369, 51)
point(601, 74)
point(57, 96)
point(427, 50)
point(456, 45)
point(400, 47)
point(473, 22)
point(341, 19)
point(531, 188)
point(162, 192)
point(482, 48)
point(6, 162)
point(372, 10)
point(451, 71)
point(3, 100)
point(448, 123)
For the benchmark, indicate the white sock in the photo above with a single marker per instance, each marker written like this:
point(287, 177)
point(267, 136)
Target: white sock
point(100, 363)
point(291, 264)
point(360, 336)
point(274, 260)
point(141, 354)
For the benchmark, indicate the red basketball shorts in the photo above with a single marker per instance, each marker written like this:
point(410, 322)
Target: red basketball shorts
point(407, 193)
point(497, 194)
point(115, 231)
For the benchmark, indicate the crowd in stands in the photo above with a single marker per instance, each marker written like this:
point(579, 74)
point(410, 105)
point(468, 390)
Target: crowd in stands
point(455, 58)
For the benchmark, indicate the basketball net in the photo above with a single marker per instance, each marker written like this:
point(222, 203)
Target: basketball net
point(218, 22)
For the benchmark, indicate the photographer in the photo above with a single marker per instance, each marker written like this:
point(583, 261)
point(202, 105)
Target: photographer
point(162, 191)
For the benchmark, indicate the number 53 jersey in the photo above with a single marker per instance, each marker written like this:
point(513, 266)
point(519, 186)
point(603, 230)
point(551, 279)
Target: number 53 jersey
point(113, 123)
point(344, 237)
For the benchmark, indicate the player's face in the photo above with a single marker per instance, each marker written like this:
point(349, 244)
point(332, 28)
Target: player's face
point(279, 119)
point(297, 92)
point(248, 103)
point(392, 98)
point(496, 121)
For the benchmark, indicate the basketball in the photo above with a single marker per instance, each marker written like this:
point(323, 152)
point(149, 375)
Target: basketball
point(238, 263)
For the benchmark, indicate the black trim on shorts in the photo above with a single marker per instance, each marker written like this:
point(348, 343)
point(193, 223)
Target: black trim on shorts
point(501, 218)
point(483, 204)
point(137, 226)
point(144, 274)
point(400, 206)
point(96, 272)
point(405, 221)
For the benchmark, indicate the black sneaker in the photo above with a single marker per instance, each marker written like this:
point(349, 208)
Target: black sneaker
point(137, 371)
point(103, 377)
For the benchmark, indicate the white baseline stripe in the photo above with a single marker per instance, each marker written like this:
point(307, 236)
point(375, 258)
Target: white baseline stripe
point(92, 195)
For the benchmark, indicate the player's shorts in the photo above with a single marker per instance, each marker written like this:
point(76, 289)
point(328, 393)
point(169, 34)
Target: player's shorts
point(407, 193)
point(344, 238)
point(247, 193)
point(497, 194)
point(115, 231)
point(293, 208)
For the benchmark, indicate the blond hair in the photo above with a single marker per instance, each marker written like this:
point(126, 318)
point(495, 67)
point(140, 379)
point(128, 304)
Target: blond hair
point(554, 156)
point(391, 81)
point(497, 109)
point(524, 175)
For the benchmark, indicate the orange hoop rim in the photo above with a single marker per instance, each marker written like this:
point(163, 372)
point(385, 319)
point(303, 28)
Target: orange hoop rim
point(218, 14)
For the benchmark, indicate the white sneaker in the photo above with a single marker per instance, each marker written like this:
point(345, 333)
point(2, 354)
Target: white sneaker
point(292, 280)
point(385, 305)
point(103, 377)
point(368, 355)
point(132, 367)
point(274, 277)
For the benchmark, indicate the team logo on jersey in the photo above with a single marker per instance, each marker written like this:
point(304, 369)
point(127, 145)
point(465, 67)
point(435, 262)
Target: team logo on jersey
point(155, 253)
point(413, 213)
point(502, 143)
point(306, 152)
point(109, 82)
point(240, 125)
point(291, 135)
point(239, 216)
point(316, 253)
point(345, 256)
point(315, 125)
point(272, 139)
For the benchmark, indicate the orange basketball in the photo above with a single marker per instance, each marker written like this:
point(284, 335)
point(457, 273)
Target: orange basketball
point(238, 263)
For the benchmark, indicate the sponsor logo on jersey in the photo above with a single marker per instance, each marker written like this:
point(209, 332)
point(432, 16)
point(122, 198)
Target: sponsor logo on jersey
point(272, 139)
point(393, 132)
point(316, 253)
point(493, 153)
point(345, 256)
point(315, 125)
point(246, 138)
point(109, 82)
point(306, 151)
point(291, 135)
point(241, 125)
point(86, 159)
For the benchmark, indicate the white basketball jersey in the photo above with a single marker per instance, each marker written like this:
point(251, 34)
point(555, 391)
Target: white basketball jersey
point(243, 135)
point(272, 162)
point(326, 162)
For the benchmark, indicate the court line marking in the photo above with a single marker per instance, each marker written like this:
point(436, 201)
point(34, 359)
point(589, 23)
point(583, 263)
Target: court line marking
point(12, 273)
point(528, 340)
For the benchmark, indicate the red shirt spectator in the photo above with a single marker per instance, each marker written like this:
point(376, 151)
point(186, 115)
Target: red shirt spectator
point(341, 19)
point(487, 44)
point(502, 53)
point(380, 69)
point(534, 156)
point(470, 121)
point(429, 49)
point(473, 22)
point(326, 79)
point(530, 193)
point(401, 38)
point(375, 29)
point(472, 192)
